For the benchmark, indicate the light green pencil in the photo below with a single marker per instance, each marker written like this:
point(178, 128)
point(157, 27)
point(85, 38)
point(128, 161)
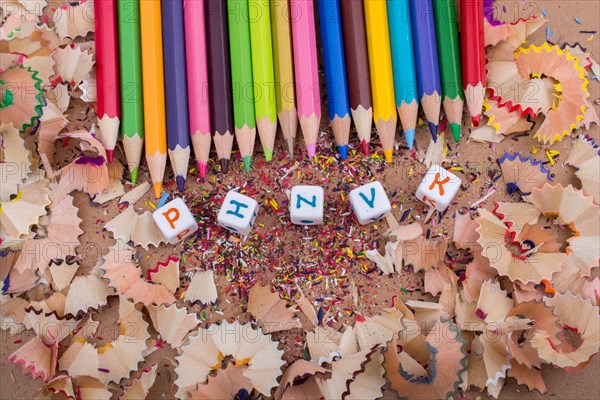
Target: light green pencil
point(265, 104)
point(241, 79)
point(132, 111)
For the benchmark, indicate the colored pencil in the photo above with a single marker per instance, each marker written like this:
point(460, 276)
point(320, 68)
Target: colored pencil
point(357, 70)
point(263, 74)
point(473, 56)
point(283, 62)
point(306, 71)
point(197, 79)
point(107, 74)
point(338, 106)
point(403, 62)
point(132, 106)
point(382, 80)
point(241, 78)
point(154, 92)
point(178, 128)
point(219, 79)
point(426, 61)
point(450, 69)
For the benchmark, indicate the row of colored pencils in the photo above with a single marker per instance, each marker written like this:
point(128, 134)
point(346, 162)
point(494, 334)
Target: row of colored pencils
point(200, 71)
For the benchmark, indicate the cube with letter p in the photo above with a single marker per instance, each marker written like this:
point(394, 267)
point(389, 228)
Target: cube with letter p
point(175, 221)
point(370, 203)
point(238, 213)
point(438, 187)
point(306, 205)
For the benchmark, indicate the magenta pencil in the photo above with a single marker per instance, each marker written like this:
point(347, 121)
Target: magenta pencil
point(197, 81)
point(306, 71)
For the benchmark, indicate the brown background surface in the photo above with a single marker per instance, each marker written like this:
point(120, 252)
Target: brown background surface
point(285, 244)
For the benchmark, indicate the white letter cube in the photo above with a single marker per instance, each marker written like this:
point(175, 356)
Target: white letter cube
point(306, 205)
point(238, 213)
point(438, 187)
point(370, 203)
point(175, 221)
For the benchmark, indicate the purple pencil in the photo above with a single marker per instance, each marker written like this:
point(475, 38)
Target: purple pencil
point(426, 61)
point(178, 131)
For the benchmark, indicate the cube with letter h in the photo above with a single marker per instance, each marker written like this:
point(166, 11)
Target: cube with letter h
point(238, 213)
point(438, 187)
point(306, 205)
point(175, 221)
point(370, 203)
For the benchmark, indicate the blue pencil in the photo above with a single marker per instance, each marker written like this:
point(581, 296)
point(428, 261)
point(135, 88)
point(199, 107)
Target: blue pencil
point(403, 63)
point(338, 105)
point(178, 131)
point(426, 57)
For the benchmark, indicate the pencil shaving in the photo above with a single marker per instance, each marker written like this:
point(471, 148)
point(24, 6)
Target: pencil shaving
point(228, 383)
point(202, 288)
point(172, 323)
point(442, 375)
point(523, 173)
point(293, 379)
point(86, 292)
point(585, 156)
point(116, 359)
point(72, 64)
point(356, 376)
point(25, 209)
point(260, 356)
point(520, 261)
point(125, 276)
point(73, 19)
point(574, 209)
point(166, 273)
point(139, 387)
point(270, 310)
point(580, 321)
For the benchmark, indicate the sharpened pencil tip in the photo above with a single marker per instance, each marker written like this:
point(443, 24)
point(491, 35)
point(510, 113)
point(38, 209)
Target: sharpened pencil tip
point(247, 163)
point(224, 165)
point(268, 154)
point(364, 147)
point(389, 154)
point(311, 149)
point(343, 150)
point(133, 174)
point(290, 145)
point(157, 189)
point(410, 138)
point(455, 128)
point(110, 155)
point(180, 183)
point(202, 168)
point(476, 120)
point(433, 128)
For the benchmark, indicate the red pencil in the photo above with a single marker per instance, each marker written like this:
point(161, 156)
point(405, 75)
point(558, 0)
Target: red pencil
point(107, 73)
point(473, 56)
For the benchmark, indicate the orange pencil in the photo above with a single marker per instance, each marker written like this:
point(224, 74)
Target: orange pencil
point(154, 92)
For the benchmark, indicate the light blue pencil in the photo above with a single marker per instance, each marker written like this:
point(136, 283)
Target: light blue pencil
point(403, 63)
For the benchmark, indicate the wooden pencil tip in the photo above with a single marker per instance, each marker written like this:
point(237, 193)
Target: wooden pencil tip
point(157, 189)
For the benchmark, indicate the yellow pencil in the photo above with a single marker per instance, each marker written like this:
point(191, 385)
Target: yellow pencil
point(382, 78)
point(154, 92)
point(284, 71)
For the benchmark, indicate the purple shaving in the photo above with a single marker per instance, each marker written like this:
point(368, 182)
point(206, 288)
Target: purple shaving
point(488, 11)
point(90, 160)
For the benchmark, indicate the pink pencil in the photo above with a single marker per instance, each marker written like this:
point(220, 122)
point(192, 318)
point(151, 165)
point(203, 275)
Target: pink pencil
point(197, 81)
point(306, 71)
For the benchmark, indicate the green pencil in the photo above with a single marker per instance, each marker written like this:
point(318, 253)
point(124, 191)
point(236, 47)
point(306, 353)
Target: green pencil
point(263, 73)
point(132, 111)
point(450, 69)
point(241, 79)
